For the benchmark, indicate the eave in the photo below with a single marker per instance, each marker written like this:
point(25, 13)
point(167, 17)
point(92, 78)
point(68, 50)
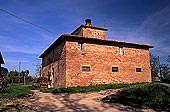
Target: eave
point(1, 59)
point(69, 37)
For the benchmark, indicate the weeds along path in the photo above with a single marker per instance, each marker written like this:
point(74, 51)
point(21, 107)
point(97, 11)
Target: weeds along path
point(165, 84)
point(88, 102)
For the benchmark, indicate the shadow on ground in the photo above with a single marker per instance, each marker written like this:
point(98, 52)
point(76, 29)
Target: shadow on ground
point(88, 102)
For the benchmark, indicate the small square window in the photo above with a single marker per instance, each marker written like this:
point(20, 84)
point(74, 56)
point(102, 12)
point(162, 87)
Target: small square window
point(121, 50)
point(85, 69)
point(138, 69)
point(80, 46)
point(114, 69)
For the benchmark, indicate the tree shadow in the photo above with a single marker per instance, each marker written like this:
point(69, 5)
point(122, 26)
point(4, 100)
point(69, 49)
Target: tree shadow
point(65, 102)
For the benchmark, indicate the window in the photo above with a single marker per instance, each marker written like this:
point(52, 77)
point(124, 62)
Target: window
point(53, 72)
point(114, 69)
point(121, 50)
point(138, 69)
point(85, 69)
point(80, 46)
point(49, 75)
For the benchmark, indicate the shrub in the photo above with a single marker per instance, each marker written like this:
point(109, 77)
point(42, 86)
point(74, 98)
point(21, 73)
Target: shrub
point(155, 96)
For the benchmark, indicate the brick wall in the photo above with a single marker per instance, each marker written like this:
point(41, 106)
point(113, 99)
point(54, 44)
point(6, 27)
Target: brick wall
point(56, 59)
point(91, 33)
point(101, 59)
point(94, 33)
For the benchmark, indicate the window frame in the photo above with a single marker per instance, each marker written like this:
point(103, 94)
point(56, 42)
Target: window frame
point(53, 72)
point(85, 68)
point(121, 52)
point(80, 46)
point(117, 69)
point(138, 69)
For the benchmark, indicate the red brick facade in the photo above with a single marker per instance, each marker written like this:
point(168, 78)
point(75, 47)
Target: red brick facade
point(91, 32)
point(55, 60)
point(63, 60)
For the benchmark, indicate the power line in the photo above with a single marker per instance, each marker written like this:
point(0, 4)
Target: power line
point(14, 66)
point(27, 21)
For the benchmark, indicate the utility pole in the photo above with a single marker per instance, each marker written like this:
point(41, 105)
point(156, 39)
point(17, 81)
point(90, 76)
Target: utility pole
point(24, 78)
point(19, 73)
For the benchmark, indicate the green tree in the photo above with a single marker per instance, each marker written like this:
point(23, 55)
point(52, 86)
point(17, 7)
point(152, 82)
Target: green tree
point(27, 77)
point(13, 76)
point(168, 60)
point(165, 70)
point(154, 61)
point(4, 72)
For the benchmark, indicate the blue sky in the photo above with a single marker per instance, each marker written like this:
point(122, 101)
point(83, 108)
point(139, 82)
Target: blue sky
point(138, 21)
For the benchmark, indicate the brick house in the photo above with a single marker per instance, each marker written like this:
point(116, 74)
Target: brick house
point(85, 57)
point(1, 62)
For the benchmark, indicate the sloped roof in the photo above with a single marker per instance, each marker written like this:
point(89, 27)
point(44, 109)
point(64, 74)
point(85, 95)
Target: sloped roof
point(1, 59)
point(87, 39)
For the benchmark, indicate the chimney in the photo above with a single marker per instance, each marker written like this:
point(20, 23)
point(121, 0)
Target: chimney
point(88, 22)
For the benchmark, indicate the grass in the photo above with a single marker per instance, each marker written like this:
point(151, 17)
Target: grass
point(82, 89)
point(44, 90)
point(93, 88)
point(149, 96)
point(14, 91)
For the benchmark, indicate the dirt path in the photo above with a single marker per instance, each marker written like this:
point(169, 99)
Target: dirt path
point(88, 102)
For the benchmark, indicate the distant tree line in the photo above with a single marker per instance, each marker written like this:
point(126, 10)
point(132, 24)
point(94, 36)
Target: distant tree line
point(159, 69)
point(13, 76)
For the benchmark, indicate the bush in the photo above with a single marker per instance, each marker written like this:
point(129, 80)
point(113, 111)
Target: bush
point(154, 96)
point(166, 81)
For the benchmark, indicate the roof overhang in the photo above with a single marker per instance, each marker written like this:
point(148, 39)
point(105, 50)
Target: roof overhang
point(69, 37)
point(1, 59)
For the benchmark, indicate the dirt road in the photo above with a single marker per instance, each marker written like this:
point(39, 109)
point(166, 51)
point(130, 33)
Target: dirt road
point(78, 102)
